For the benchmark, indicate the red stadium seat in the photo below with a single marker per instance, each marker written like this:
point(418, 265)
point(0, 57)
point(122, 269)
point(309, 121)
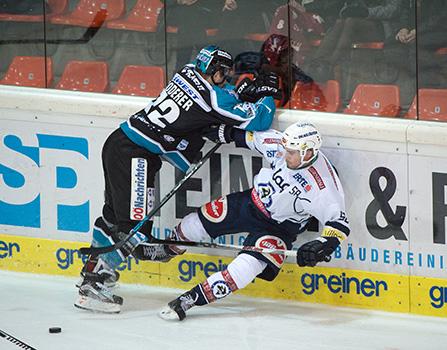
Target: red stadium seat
point(29, 71)
point(432, 105)
point(91, 13)
point(140, 81)
point(91, 76)
point(316, 97)
point(56, 6)
point(142, 18)
point(373, 99)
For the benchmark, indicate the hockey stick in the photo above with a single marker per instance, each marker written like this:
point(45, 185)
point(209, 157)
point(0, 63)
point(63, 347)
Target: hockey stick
point(157, 241)
point(16, 341)
point(191, 171)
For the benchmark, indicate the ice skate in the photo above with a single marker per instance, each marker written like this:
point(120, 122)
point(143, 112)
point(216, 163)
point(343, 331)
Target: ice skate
point(110, 282)
point(176, 309)
point(94, 295)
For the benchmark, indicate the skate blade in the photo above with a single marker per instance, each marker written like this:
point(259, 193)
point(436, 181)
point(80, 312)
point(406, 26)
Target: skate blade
point(90, 304)
point(168, 314)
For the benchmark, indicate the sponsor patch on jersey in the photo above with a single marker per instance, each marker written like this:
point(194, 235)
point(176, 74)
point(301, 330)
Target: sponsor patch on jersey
point(271, 141)
point(317, 177)
point(168, 138)
point(216, 210)
point(138, 192)
point(272, 242)
point(303, 182)
point(250, 136)
point(182, 145)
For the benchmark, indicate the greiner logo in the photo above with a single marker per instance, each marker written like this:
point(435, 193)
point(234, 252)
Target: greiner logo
point(189, 269)
point(438, 296)
point(342, 284)
point(7, 249)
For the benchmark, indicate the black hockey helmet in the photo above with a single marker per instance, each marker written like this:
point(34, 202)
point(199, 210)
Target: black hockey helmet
point(212, 59)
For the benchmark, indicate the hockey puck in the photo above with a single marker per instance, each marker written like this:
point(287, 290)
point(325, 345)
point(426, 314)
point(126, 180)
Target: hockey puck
point(55, 329)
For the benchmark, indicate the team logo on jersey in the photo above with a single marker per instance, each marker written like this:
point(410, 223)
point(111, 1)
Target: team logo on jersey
point(220, 289)
point(216, 210)
point(138, 194)
point(272, 242)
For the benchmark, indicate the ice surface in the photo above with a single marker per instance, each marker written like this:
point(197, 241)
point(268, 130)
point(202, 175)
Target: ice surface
point(30, 304)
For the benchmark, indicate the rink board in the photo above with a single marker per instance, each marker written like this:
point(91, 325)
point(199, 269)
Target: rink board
point(393, 171)
point(351, 288)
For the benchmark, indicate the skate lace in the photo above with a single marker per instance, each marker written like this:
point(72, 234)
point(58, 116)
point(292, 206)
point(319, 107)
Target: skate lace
point(187, 301)
point(154, 252)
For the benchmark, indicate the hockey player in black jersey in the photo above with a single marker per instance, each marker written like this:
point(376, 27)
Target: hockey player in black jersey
point(197, 98)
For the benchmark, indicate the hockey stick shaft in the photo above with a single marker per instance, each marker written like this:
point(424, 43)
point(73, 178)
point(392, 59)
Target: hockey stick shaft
point(232, 247)
point(191, 171)
point(16, 341)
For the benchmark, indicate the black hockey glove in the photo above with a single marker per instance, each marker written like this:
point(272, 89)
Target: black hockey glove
point(265, 84)
point(313, 252)
point(355, 11)
point(219, 133)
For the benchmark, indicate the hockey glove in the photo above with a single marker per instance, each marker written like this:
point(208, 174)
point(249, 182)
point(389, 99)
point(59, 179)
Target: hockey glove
point(313, 252)
point(264, 85)
point(218, 133)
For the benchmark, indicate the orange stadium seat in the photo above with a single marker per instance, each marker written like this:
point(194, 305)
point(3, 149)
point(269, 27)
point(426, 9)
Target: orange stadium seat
point(56, 6)
point(257, 36)
point(432, 105)
point(29, 71)
point(140, 81)
point(374, 99)
point(142, 18)
point(241, 77)
point(91, 13)
point(323, 97)
point(91, 76)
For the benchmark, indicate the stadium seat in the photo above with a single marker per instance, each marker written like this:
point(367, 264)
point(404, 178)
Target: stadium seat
point(432, 105)
point(257, 36)
point(29, 71)
point(91, 76)
point(140, 81)
point(373, 99)
point(373, 45)
point(57, 7)
point(323, 97)
point(241, 77)
point(91, 13)
point(142, 18)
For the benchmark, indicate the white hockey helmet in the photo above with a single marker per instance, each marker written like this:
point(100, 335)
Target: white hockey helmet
point(302, 136)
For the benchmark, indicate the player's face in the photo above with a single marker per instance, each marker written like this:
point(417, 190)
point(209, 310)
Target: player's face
point(293, 157)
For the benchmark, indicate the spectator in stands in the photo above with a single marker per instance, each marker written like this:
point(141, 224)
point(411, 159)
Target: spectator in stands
point(304, 27)
point(192, 18)
point(240, 17)
point(431, 32)
point(359, 21)
point(273, 57)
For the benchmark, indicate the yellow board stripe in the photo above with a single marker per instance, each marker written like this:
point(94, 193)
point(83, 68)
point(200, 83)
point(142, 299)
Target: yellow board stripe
point(336, 286)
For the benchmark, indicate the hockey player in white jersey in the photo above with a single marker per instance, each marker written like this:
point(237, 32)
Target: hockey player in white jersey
point(300, 184)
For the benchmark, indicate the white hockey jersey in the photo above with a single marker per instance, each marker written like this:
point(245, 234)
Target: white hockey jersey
point(297, 195)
